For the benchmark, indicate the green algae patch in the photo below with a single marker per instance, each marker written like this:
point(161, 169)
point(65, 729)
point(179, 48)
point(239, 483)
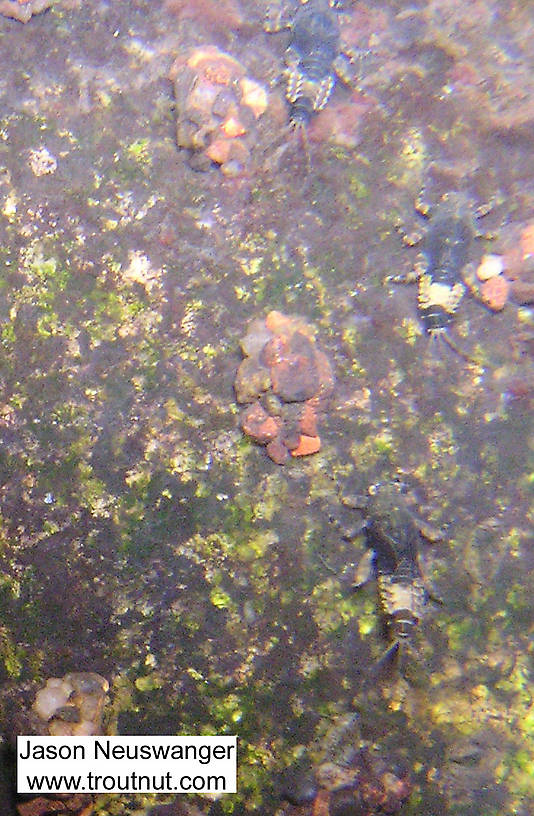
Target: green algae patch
point(138, 525)
point(139, 150)
point(220, 599)
point(11, 655)
point(148, 683)
point(257, 546)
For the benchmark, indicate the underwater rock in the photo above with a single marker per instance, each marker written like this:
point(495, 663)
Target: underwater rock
point(251, 380)
point(307, 445)
point(294, 376)
point(287, 381)
point(495, 292)
point(217, 107)
point(67, 706)
point(494, 287)
point(341, 123)
point(471, 764)
point(518, 264)
point(523, 292)
point(256, 338)
point(350, 778)
point(42, 162)
point(23, 10)
point(490, 266)
point(257, 423)
point(277, 451)
point(72, 705)
point(308, 421)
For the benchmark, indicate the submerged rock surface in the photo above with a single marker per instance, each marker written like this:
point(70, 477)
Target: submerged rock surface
point(286, 382)
point(141, 535)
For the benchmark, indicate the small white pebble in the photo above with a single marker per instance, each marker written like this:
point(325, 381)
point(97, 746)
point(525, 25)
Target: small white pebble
point(49, 699)
point(42, 162)
point(490, 267)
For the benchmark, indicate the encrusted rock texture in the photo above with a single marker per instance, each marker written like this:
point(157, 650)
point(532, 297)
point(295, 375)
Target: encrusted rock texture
point(143, 537)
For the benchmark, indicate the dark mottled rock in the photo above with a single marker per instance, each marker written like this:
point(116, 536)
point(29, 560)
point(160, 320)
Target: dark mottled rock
point(251, 380)
point(257, 424)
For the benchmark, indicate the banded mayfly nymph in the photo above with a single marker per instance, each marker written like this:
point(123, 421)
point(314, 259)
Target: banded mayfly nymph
point(393, 534)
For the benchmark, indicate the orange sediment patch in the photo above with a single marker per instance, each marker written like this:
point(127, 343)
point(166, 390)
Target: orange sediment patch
point(279, 323)
point(308, 421)
point(321, 804)
point(223, 150)
point(259, 425)
point(232, 127)
point(495, 292)
point(219, 151)
point(307, 445)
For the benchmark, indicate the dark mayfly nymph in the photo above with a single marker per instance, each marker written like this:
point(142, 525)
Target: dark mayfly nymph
point(393, 535)
point(314, 57)
point(445, 247)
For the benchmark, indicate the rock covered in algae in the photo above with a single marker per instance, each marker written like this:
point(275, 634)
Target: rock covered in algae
point(217, 107)
point(68, 706)
point(72, 705)
point(349, 778)
point(23, 10)
point(285, 382)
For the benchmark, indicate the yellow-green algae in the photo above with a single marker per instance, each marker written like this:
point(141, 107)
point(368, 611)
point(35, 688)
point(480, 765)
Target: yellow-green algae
point(207, 569)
